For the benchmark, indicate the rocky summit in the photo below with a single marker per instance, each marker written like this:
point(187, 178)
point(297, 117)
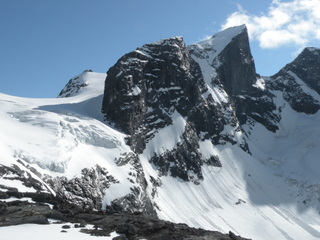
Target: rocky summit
point(174, 139)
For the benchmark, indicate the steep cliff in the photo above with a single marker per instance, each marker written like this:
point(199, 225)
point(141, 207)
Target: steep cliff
point(162, 85)
point(299, 81)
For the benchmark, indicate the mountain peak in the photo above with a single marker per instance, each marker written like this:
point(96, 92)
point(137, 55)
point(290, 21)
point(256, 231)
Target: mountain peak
point(85, 82)
point(74, 85)
point(168, 40)
point(306, 67)
point(312, 49)
point(228, 52)
point(232, 31)
point(220, 40)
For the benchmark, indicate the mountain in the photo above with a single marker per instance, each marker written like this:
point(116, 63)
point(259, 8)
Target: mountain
point(187, 134)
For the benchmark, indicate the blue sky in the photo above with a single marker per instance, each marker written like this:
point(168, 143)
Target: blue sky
point(44, 43)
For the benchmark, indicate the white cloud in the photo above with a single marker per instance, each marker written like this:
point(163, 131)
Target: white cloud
point(292, 22)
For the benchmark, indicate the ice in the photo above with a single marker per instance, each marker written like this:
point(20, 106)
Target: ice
point(55, 134)
point(135, 91)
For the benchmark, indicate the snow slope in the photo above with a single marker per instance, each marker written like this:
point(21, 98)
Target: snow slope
point(61, 136)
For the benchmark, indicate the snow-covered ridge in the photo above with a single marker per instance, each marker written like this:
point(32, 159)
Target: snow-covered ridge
point(206, 53)
point(81, 83)
point(213, 46)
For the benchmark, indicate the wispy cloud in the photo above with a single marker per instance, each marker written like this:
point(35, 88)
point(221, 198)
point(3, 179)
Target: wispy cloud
point(286, 22)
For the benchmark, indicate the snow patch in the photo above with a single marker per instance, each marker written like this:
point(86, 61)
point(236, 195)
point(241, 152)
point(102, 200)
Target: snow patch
point(260, 83)
point(48, 231)
point(135, 91)
point(166, 139)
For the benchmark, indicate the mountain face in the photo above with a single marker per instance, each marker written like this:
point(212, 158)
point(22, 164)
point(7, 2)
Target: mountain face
point(162, 84)
point(74, 86)
point(295, 77)
point(187, 133)
point(156, 88)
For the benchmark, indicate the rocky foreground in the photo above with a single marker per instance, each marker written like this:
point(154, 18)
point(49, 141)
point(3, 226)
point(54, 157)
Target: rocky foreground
point(130, 226)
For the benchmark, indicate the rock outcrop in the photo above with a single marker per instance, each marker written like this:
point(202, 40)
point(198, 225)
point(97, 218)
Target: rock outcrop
point(73, 86)
point(161, 86)
point(128, 226)
point(296, 77)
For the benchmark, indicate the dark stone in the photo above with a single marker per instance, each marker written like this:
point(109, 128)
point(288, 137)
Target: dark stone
point(121, 237)
point(15, 194)
point(21, 212)
point(131, 226)
point(82, 225)
point(142, 227)
point(4, 195)
point(87, 217)
point(233, 236)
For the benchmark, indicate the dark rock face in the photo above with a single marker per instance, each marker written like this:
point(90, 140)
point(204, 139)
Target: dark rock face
point(307, 67)
point(237, 74)
point(19, 212)
point(237, 69)
point(85, 191)
point(147, 89)
point(73, 86)
point(292, 79)
point(150, 87)
point(146, 86)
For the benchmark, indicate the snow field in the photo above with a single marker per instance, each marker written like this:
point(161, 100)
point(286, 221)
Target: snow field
point(49, 232)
